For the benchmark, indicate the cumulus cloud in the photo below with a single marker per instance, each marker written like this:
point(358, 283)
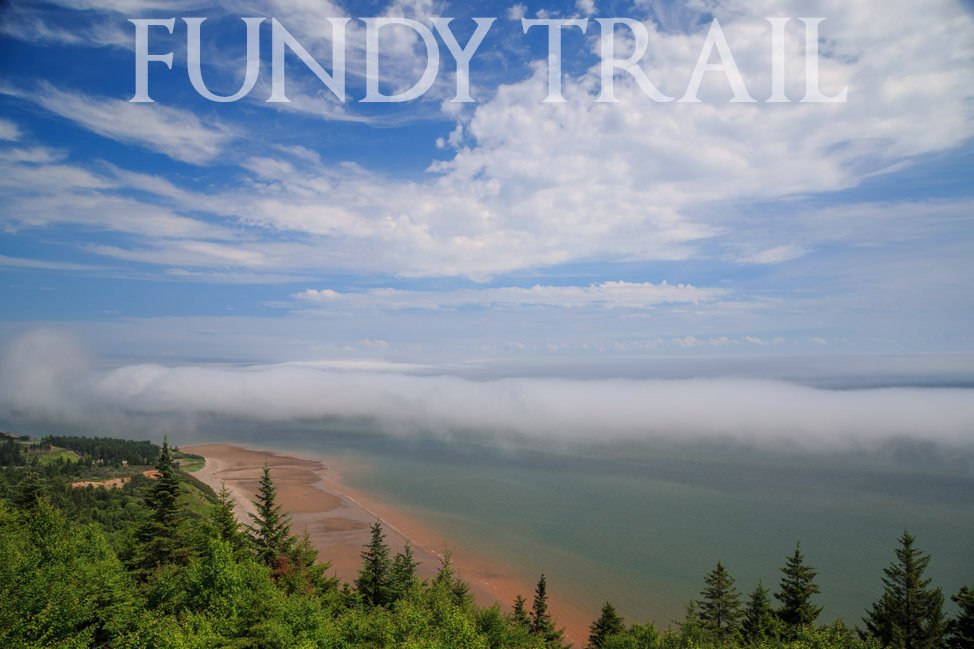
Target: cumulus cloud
point(531, 184)
point(45, 376)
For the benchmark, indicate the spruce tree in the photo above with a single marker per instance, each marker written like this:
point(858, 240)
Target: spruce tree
point(402, 577)
point(720, 606)
point(541, 622)
point(30, 490)
point(519, 615)
point(223, 520)
point(373, 577)
point(160, 535)
point(691, 630)
point(759, 618)
point(961, 629)
point(608, 624)
point(910, 613)
point(271, 529)
point(304, 573)
point(447, 579)
point(795, 593)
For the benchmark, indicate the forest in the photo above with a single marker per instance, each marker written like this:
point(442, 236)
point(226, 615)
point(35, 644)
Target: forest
point(162, 561)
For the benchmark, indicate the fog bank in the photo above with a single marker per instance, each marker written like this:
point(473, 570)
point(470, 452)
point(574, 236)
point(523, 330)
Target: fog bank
point(46, 378)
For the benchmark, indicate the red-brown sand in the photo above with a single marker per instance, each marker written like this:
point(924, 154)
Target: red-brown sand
point(338, 517)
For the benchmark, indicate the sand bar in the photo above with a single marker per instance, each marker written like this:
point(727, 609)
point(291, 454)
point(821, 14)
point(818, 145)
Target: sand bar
point(338, 517)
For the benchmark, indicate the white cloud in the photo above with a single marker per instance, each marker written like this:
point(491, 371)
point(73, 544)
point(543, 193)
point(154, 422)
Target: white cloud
point(8, 130)
point(176, 133)
point(775, 255)
point(516, 11)
point(39, 26)
point(586, 7)
point(607, 295)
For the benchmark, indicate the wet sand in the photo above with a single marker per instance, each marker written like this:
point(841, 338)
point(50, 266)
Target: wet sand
point(337, 519)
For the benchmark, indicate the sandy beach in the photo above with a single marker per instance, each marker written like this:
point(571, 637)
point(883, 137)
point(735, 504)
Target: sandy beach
point(338, 517)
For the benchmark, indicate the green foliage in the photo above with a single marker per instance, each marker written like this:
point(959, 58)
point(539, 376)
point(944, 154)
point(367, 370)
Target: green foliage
point(224, 522)
point(449, 582)
point(402, 577)
point(373, 578)
point(60, 584)
point(961, 629)
point(519, 614)
point(795, 593)
point(108, 450)
point(162, 535)
point(30, 491)
point(542, 625)
point(271, 529)
point(608, 624)
point(189, 462)
point(909, 615)
point(11, 453)
point(64, 583)
point(720, 605)
point(760, 622)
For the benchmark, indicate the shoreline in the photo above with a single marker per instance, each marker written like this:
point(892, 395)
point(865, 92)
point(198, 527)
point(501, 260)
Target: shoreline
point(337, 518)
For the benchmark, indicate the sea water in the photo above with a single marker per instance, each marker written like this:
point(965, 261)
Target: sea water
point(642, 525)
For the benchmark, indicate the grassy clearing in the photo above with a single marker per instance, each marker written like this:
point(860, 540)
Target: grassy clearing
point(56, 453)
point(190, 463)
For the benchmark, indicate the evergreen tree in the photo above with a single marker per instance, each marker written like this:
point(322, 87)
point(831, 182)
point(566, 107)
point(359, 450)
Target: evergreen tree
point(691, 630)
point(759, 618)
point(403, 575)
point(910, 613)
point(608, 624)
point(30, 490)
point(961, 629)
point(447, 579)
point(541, 622)
point(161, 537)
point(720, 606)
point(271, 531)
point(302, 573)
point(519, 615)
point(795, 593)
point(373, 577)
point(224, 521)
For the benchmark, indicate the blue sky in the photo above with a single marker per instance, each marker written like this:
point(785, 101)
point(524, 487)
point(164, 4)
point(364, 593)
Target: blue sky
point(504, 232)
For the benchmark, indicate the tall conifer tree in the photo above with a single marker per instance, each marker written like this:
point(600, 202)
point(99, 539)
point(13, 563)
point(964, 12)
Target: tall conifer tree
point(374, 575)
point(795, 593)
point(223, 520)
point(720, 604)
point(160, 535)
point(541, 623)
point(402, 577)
point(910, 612)
point(759, 618)
point(271, 528)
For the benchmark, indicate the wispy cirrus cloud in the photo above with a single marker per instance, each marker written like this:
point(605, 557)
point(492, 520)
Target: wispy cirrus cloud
point(174, 132)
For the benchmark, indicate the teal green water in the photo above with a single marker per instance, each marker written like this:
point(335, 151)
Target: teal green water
point(642, 526)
